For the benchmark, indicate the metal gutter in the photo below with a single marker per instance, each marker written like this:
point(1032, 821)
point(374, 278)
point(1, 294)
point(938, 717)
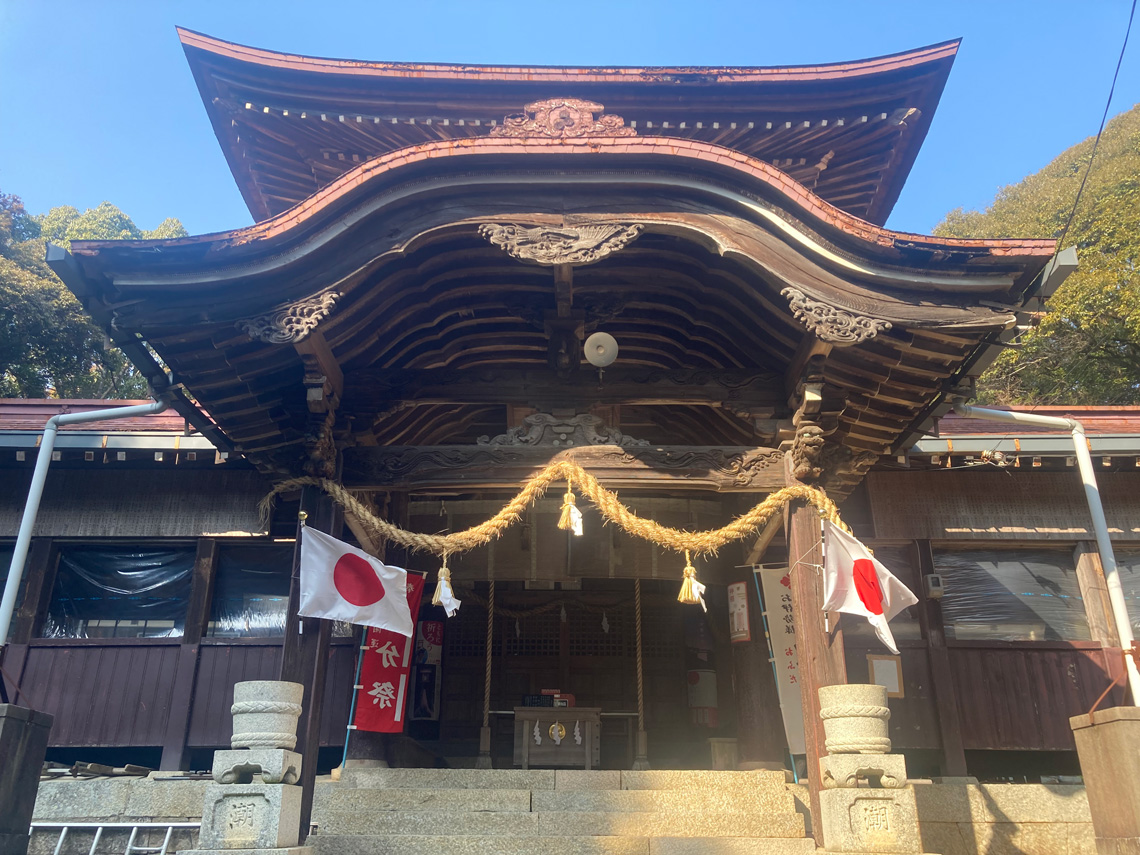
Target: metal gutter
point(36, 490)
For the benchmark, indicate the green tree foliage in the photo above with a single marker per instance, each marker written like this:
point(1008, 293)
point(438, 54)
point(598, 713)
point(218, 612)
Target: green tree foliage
point(48, 345)
point(1086, 350)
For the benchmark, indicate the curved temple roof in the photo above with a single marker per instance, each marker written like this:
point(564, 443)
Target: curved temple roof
point(291, 125)
point(732, 265)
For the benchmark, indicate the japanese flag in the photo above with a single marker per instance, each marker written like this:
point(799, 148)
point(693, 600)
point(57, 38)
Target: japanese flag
point(341, 582)
point(855, 583)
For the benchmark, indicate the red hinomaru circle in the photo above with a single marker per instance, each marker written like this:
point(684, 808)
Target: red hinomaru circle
point(356, 581)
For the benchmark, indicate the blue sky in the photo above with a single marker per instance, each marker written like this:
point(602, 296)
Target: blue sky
point(96, 100)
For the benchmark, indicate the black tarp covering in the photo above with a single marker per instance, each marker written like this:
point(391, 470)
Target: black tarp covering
point(120, 592)
point(1012, 595)
point(251, 591)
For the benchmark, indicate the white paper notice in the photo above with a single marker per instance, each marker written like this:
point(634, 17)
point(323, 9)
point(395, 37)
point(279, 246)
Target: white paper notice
point(782, 637)
point(738, 627)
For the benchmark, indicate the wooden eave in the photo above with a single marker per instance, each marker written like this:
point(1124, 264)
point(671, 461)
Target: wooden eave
point(290, 125)
point(422, 292)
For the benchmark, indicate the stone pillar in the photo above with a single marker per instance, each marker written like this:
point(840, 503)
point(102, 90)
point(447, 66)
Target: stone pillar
point(253, 805)
point(23, 743)
point(866, 804)
point(1108, 744)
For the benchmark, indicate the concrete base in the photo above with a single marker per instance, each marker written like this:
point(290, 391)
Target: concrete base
point(23, 743)
point(858, 820)
point(250, 816)
point(15, 843)
point(1107, 742)
point(483, 761)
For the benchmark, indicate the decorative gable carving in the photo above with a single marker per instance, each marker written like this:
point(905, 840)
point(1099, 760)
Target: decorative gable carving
point(541, 429)
point(563, 118)
point(292, 322)
point(566, 245)
point(832, 324)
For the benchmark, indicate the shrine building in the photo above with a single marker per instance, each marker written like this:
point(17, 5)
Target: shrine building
point(434, 246)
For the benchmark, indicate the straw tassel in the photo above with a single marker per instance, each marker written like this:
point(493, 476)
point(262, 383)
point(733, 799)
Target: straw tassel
point(571, 519)
point(444, 596)
point(692, 591)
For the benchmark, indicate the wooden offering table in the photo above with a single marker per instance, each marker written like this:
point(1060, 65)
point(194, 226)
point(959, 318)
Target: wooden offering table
point(557, 736)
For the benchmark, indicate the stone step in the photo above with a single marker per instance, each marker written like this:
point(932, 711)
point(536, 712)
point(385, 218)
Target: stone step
point(700, 779)
point(670, 824)
point(562, 779)
point(370, 801)
point(448, 779)
point(436, 822)
point(774, 801)
point(568, 823)
point(457, 844)
point(339, 844)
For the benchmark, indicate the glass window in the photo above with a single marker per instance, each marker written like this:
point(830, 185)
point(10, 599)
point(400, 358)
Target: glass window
point(120, 592)
point(904, 625)
point(1128, 566)
point(1012, 595)
point(251, 591)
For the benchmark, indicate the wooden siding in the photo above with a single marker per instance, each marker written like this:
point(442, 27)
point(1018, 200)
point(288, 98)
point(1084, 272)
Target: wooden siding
point(992, 505)
point(914, 718)
point(222, 665)
point(104, 694)
point(1020, 696)
point(133, 503)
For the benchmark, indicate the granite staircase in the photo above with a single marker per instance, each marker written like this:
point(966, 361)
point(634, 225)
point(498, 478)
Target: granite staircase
point(542, 812)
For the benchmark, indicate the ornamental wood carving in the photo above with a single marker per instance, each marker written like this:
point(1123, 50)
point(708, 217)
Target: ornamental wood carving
point(541, 429)
point(499, 466)
point(566, 245)
point(563, 118)
point(292, 322)
point(832, 324)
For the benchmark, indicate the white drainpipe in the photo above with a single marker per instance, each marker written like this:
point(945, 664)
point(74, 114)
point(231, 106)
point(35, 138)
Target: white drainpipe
point(36, 490)
point(1096, 511)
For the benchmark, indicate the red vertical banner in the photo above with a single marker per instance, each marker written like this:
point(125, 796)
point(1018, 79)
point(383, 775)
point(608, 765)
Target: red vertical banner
point(383, 697)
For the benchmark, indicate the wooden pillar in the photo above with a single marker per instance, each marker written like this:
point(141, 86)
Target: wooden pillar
point(39, 581)
point(941, 677)
point(819, 642)
point(760, 728)
point(365, 748)
point(186, 671)
point(305, 654)
point(1094, 592)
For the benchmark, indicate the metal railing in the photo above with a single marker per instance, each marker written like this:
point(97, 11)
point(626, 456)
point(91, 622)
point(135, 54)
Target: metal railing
point(99, 828)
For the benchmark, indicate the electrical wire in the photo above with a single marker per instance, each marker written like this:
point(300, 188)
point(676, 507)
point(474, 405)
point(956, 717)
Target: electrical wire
point(1103, 120)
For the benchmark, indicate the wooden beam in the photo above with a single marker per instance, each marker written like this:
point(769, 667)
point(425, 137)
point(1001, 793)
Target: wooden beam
point(1094, 592)
point(809, 346)
point(941, 676)
point(763, 539)
point(370, 391)
point(716, 468)
point(186, 671)
point(819, 641)
point(324, 381)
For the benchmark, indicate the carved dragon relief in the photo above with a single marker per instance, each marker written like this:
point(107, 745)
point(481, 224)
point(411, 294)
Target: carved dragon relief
point(566, 245)
point(541, 429)
point(291, 322)
point(832, 324)
point(563, 118)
